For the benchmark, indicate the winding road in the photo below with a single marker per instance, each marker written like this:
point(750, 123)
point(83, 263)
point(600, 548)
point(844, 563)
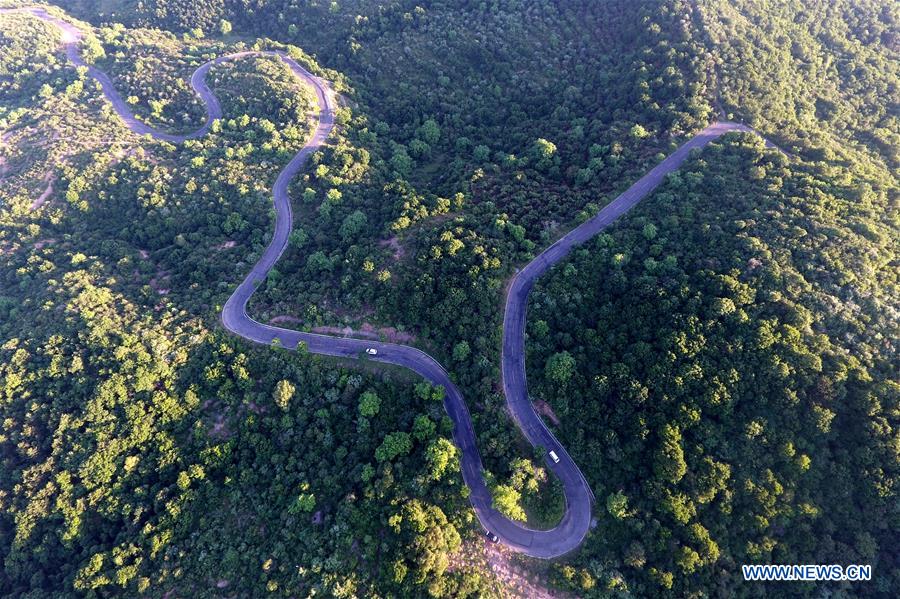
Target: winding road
point(573, 527)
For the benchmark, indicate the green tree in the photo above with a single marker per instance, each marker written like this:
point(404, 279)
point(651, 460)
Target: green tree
point(617, 505)
point(560, 368)
point(353, 224)
point(423, 428)
point(669, 463)
point(429, 540)
point(461, 351)
point(401, 162)
point(305, 502)
point(92, 50)
point(393, 445)
point(430, 132)
point(638, 132)
point(507, 501)
point(442, 457)
point(544, 149)
point(369, 404)
point(284, 391)
point(544, 153)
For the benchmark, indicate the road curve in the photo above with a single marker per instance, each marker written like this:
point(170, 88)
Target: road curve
point(575, 523)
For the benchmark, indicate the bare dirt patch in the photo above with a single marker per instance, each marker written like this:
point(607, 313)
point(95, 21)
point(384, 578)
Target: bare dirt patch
point(226, 246)
point(508, 574)
point(544, 409)
point(156, 282)
point(390, 333)
point(516, 579)
point(369, 331)
point(343, 331)
point(284, 318)
point(365, 331)
point(48, 179)
point(396, 247)
point(219, 428)
point(43, 243)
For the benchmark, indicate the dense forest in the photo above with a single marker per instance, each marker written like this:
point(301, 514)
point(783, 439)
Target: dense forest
point(143, 450)
point(722, 364)
point(726, 372)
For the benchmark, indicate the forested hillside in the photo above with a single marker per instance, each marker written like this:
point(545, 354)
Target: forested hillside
point(143, 451)
point(473, 135)
point(722, 364)
point(820, 76)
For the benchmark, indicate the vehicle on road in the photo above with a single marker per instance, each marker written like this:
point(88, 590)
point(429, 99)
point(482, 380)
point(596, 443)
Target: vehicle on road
point(554, 457)
point(491, 536)
point(371, 351)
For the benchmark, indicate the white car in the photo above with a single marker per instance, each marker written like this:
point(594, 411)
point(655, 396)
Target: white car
point(372, 351)
point(554, 457)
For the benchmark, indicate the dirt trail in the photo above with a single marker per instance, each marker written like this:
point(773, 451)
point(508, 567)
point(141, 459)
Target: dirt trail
point(48, 179)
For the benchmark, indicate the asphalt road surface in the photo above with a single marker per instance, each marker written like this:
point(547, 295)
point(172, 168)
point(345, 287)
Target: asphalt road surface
point(573, 527)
